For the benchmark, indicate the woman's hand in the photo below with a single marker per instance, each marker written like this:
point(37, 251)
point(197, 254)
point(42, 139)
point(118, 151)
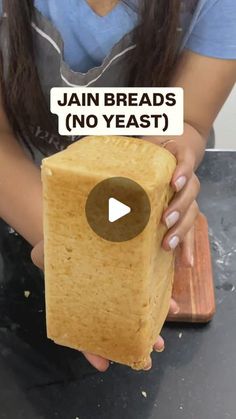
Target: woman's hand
point(182, 211)
point(98, 362)
point(181, 214)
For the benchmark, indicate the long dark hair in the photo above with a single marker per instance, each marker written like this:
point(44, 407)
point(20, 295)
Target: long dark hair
point(151, 63)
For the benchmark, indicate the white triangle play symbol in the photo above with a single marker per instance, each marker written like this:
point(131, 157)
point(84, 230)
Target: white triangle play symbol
point(117, 210)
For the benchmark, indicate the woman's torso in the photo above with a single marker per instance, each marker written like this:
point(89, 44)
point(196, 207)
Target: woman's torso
point(76, 47)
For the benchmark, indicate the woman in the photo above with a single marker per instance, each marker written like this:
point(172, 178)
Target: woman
point(47, 43)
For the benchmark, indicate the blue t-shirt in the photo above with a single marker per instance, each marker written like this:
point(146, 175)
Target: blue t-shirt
point(209, 28)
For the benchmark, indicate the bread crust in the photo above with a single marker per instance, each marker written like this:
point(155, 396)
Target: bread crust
point(110, 299)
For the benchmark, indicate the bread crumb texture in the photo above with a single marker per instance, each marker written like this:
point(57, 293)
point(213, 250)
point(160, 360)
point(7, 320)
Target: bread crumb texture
point(107, 298)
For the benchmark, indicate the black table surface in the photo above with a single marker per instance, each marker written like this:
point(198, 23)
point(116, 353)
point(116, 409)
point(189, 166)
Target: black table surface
point(194, 378)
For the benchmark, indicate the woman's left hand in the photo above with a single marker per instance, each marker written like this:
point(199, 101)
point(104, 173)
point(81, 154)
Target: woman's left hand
point(182, 211)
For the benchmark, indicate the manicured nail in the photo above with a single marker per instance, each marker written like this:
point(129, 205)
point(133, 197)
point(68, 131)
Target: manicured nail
point(180, 182)
point(159, 350)
point(192, 261)
point(148, 367)
point(173, 242)
point(172, 218)
point(177, 310)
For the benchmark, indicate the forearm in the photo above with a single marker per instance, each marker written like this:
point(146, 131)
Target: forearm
point(20, 190)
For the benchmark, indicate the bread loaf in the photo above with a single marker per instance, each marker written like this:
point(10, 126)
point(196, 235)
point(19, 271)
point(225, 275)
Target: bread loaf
point(107, 298)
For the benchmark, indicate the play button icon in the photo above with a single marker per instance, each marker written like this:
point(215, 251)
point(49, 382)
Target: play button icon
point(117, 209)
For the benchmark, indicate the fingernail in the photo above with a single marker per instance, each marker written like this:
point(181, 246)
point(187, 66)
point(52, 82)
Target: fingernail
point(180, 182)
point(192, 261)
point(159, 350)
point(177, 310)
point(172, 219)
point(173, 242)
point(148, 367)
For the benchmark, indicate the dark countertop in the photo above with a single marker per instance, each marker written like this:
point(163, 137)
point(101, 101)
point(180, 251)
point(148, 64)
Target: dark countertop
point(195, 378)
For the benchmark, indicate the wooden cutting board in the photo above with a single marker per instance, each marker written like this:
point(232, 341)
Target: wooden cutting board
point(194, 287)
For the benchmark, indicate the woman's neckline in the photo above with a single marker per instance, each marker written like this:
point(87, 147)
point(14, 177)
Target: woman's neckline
point(102, 16)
